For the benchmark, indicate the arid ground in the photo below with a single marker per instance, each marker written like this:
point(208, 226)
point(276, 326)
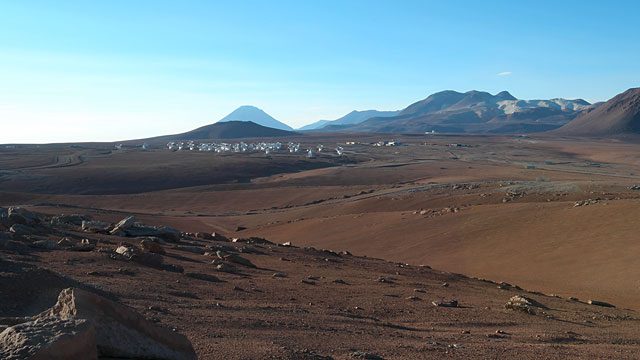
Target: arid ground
point(553, 218)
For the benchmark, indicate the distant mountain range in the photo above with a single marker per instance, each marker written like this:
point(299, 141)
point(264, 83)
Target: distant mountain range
point(253, 114)
point(450, 111)
point(476, 112)
point(354, 117)
point(618, 116)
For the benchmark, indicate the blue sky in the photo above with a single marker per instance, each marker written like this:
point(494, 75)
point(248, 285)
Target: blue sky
point(113, 70)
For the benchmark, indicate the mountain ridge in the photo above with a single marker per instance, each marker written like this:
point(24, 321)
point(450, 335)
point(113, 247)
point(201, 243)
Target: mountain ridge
point(620, 115)
point(477, 112)
point(352, 118)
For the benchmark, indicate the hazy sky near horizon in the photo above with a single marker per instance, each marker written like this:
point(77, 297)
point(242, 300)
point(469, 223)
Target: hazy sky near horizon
point(115, 70)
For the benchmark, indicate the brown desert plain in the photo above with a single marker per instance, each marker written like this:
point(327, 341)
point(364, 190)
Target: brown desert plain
point(374, 239)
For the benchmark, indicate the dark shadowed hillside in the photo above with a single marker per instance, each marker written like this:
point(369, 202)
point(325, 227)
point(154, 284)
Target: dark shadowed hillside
point(226, 130)
point(618, 116)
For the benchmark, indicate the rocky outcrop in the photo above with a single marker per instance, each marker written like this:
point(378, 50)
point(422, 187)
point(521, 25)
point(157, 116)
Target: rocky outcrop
point(96, 226)
point(73, 219)
point(120, 332)
point(523, 304)
point(18, 215)
point(49, 339)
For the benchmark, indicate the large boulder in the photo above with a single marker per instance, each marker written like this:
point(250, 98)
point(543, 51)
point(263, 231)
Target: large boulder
point(120, 332)
point(152, 247)
point(49, 339)
point(96, 226)
point(124, 224)
point(146, 258)
point(21, 230)
point(18, 215)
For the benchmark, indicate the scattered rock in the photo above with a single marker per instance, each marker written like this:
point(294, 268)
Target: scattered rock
point(203, 236)
point(125, 251)
point(85, 245)
point(65, 242)
point(44, 245)
point(96, 226)
point(18, 215)
point(163, 232)
point(523, 304)
point(152, 247)
point(234, 259)
point(124, 224)
point(339, 281)
point(145, 258)
point(253, 240)
point(250, 250)
point(219, 237)
point(366, 356)
point(279, 275)
point(600, 303)
point(21, 230)
point(73, 219)
point(452, 303)
point(224, 267)
point(414, 298)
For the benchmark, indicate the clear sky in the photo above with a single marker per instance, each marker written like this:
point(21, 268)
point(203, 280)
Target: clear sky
point(114, 70)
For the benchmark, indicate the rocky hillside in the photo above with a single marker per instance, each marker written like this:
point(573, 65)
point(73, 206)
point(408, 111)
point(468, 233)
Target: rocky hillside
point(250, 298)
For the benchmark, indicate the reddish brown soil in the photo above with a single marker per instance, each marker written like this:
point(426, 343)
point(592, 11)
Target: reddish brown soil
point(370, 204)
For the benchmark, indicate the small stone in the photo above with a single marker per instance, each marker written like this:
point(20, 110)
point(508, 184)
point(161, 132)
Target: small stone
point(600, 303)
point(452, 303)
